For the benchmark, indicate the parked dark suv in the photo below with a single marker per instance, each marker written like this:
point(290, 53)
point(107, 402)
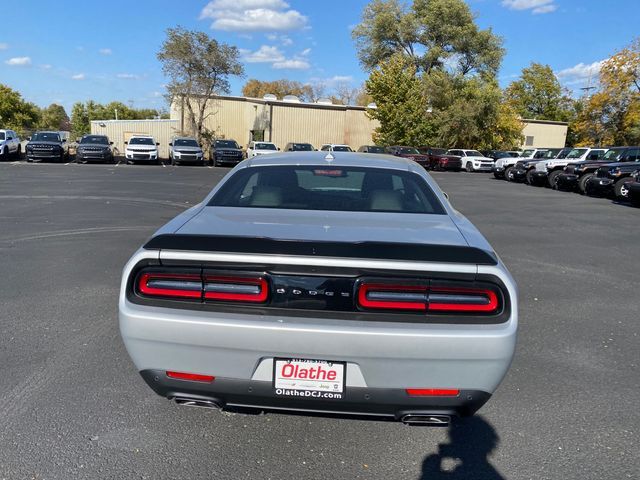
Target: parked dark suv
point(411, 153)
point(576, 175)
point(225, 152)
point(47, 146)
point(371, 149)
point(94, 148)
point(633, 187)
point(611, 178)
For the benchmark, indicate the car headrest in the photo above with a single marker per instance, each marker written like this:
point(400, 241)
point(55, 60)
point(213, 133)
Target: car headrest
point(388, 200)
point(264, 196)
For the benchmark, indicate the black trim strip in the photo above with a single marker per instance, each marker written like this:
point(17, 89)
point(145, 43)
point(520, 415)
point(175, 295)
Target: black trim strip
point(371, 250)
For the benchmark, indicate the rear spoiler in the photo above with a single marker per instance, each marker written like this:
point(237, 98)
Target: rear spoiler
point(308, 248)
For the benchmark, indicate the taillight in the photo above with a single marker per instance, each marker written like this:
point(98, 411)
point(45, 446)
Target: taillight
point(432, 392)
point(192, 377)
point(198, 285)
point(236, 289)
point(392, 297)
point(428, 297)
point(173, 285)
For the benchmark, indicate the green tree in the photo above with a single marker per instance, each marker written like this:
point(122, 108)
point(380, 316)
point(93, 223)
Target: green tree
point(54, 117)
point(434, 34)
point(401, 108)
point(259, 88)
point(83, 113)
point(198, 68)
point(538, 94)
point(15, 113)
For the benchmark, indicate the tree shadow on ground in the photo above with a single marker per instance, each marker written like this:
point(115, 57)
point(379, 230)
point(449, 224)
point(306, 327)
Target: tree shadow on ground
point(465, 457)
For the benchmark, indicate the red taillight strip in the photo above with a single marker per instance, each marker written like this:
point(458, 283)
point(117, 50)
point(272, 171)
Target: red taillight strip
point(489, 305)
point(259, 297)
point(192, 377)
point(365, 302)
point(433, 392)
point(146, 289)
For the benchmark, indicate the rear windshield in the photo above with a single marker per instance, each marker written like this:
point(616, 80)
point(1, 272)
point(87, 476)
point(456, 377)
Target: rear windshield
point(375, 149)
point(326, 187)
point(342, 148)
point(301, 147)
point(226, 144)
point(613, 154)
point(95, 140)
point(46, 137)
point(408, 151)
point(1, 135)
point(265, 146)
point(141, 141)
point(473, 153)
point(185, 142)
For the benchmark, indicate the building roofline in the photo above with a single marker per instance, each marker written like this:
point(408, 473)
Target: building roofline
point(547, 122)
point(262, 101)
point(125, 120)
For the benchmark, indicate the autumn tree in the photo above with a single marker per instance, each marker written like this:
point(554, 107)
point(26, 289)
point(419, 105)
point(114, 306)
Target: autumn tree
point(611, 116)
point(280, 88)
point(538, 94)
point(16, 113)
point(198, 68)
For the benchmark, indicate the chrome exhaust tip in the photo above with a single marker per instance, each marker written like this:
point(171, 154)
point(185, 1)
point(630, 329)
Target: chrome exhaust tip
point(196, 402)
point(426, 420)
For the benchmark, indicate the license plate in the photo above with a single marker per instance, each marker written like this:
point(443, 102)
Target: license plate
point(317, 379)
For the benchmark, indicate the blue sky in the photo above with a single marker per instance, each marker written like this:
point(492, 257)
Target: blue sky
point(73, 51)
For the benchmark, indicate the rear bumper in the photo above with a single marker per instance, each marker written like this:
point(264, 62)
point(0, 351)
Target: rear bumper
point(242, 395)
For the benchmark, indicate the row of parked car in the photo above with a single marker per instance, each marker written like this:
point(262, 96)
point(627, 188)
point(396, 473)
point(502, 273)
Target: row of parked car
point(607, 172)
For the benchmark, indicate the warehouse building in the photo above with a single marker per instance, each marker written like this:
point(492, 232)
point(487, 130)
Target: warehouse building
point(287, 120)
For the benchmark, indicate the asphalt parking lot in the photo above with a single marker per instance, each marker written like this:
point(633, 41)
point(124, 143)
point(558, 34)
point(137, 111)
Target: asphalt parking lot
point(73, 406)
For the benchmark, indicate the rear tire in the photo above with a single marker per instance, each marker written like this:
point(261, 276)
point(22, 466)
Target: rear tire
point(552, 179)
point(582, 182)
point(529, 177)
point(620, 190)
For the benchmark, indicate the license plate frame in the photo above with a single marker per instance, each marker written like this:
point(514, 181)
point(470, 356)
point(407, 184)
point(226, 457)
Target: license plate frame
point(326, 388)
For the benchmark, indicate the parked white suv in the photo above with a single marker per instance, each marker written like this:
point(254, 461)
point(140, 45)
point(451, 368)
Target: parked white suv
point(335, 147)
point(549, 170)
point(261, 148)
point(9, 144)
point(473, 160)
point(141, 148)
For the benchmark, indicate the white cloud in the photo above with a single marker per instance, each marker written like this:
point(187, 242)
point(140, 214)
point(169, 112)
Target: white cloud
point(305, 52)
point(46, 66)
point(105, 51)
point(4, 46)
point(536, 6)
point(286, 41)
point(252, 15)
point(265, 54)
point(581, 70)
point(78, 76)
point(18, 61)
point(292, 64)
point(128, 76)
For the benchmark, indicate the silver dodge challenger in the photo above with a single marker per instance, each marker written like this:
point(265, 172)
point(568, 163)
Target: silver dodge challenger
point(324, 284)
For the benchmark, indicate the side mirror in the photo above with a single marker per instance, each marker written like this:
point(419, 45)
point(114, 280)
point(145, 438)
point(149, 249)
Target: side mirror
point(78, 139)
point(290, 150)
point(126, 143)
point(278, 148)
point(157, 144)
point(64, 140)
point(110, 143)
point(28, 139)
point(315, 149)
point(446, 195)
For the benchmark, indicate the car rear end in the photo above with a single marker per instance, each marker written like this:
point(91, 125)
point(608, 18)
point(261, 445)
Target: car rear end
point(323, 312)
point(405, 338)
point(449, 162)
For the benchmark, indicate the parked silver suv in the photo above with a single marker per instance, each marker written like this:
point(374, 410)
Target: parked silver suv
point(9, 144)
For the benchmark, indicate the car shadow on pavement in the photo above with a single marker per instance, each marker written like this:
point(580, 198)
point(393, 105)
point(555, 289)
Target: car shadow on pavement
point(471, 441)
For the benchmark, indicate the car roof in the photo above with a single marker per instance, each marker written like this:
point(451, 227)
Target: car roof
point(184, 138)
point(339, 159)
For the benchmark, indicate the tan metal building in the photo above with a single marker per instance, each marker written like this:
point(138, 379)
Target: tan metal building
point(120, 131)
point(280, 121)
point(544, 133)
